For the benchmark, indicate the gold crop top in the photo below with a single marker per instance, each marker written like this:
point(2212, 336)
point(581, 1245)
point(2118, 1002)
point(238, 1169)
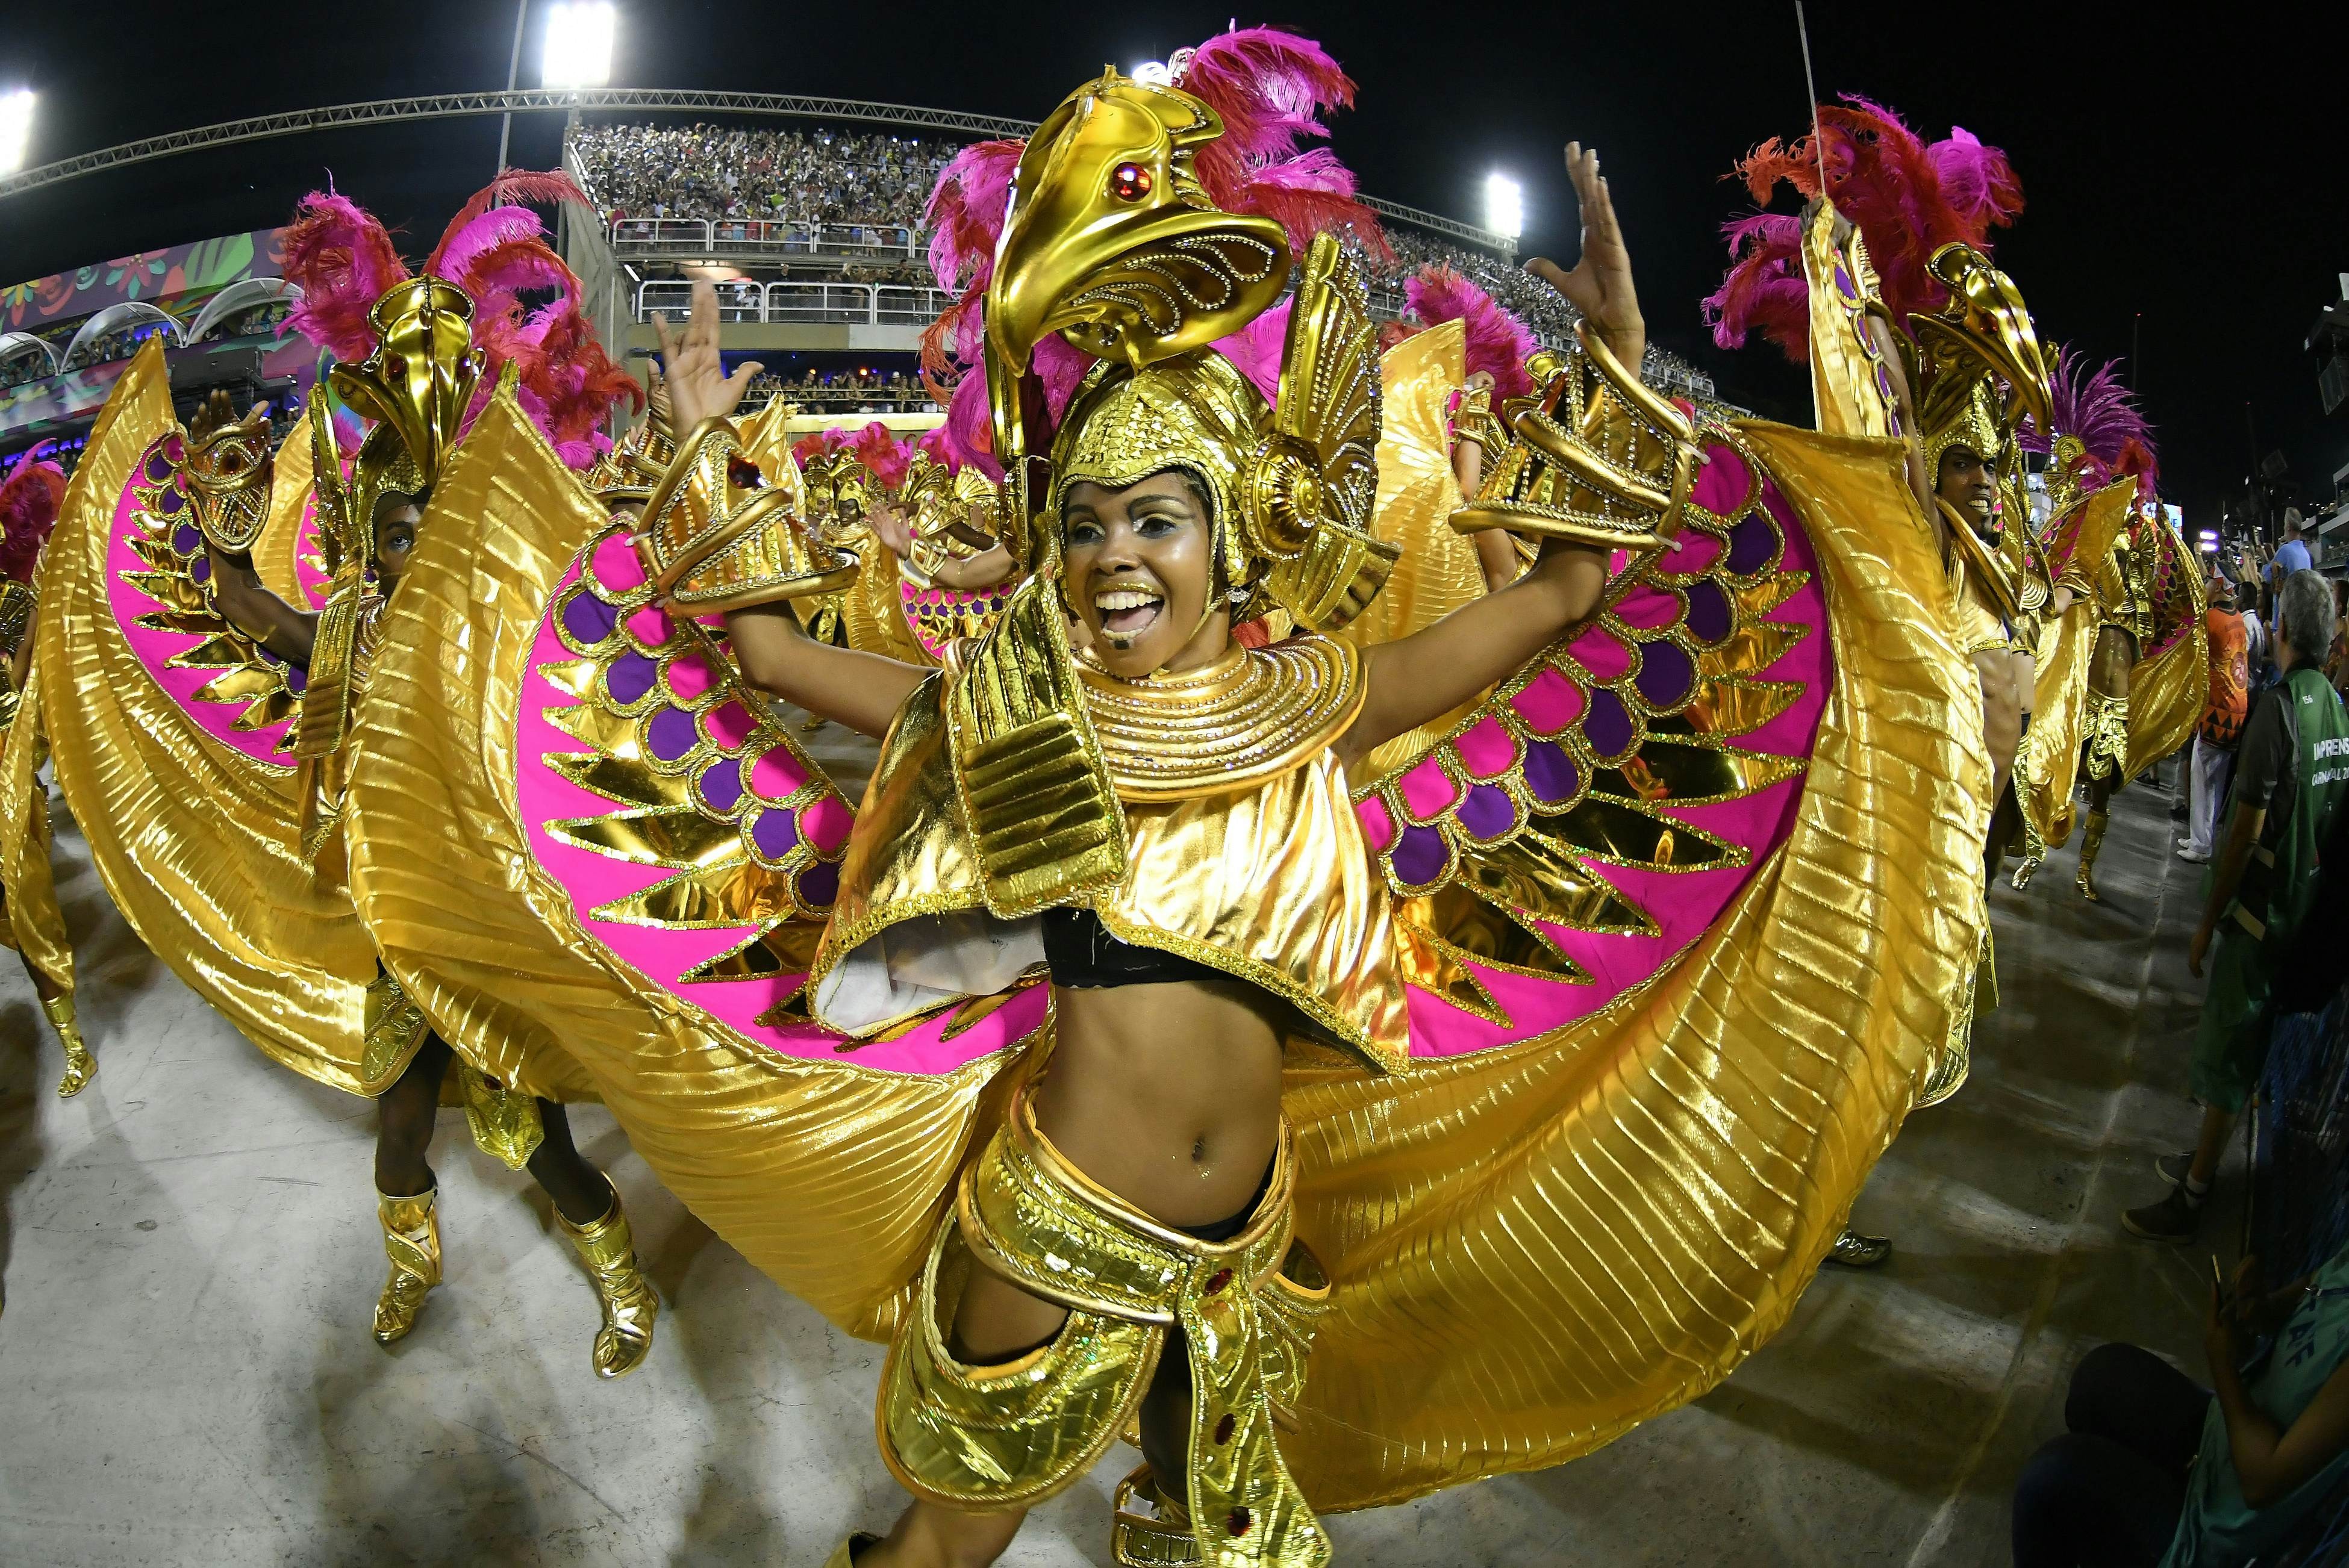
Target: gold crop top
point(1269, 882)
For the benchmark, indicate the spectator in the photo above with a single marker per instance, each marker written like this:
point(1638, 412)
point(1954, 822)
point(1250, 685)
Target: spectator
point(2292, 555)
point(2223, 712)
point(2292, 776)
point(2155, 1469)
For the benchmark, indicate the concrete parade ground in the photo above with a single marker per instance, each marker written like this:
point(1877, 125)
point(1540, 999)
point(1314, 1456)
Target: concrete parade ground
point(191, 1256)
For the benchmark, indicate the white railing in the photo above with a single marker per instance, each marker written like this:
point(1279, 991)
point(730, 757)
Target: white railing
point(765, 236)
point(800, 304)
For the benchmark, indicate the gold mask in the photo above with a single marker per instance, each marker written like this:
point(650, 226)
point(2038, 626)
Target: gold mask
point(416, 387)
point(227, 478)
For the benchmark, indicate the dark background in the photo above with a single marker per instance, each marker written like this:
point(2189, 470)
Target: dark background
point(2184, 168)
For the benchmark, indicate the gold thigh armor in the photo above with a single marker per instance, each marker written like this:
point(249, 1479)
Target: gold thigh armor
point(1009, 1436)
point(2104, 732)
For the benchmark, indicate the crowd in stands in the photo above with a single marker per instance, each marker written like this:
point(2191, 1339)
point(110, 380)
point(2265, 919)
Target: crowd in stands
point(639, 174)
point(863, 391)
point(721, 172)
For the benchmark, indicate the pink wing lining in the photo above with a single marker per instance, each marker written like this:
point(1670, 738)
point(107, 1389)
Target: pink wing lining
point(689, 716)
point(1533, 752)
point(215, 674)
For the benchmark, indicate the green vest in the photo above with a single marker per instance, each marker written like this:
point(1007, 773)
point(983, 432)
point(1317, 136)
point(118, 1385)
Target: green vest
point(2279, 885)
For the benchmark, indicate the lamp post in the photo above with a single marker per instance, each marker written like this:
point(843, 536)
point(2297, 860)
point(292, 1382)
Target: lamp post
point(513, 72)
point(16, 129)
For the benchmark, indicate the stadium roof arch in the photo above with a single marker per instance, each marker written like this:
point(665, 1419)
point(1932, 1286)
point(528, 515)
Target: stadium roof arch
point(615, 100)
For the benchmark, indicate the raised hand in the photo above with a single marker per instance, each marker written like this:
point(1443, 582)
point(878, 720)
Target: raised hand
point(1599, 286)
point(699, 387)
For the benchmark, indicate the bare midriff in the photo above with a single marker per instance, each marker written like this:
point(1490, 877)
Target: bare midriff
point(1167, 1094)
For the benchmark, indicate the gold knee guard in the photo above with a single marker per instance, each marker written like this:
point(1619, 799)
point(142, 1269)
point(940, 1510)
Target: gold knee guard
point(992, 1438)
point(505, 1121)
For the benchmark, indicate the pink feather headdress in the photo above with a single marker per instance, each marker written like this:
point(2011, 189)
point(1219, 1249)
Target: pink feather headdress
point(344, 260)
point(884, 457)
point(30, 498)
point(1269, 88)
point(1498, 343)
point(2103, 416)
point(1908, 197)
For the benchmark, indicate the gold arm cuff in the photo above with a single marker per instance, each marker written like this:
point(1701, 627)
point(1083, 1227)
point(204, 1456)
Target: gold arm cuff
point(719, 538)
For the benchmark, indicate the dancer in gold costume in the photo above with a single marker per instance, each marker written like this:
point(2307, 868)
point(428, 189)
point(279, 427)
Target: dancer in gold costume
point(233, 870)
point(29, 498)
point(1585, 1007)
point(2151, 668)
point(2099, 459)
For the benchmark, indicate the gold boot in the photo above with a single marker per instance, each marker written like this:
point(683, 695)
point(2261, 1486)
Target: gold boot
point(609, 1251)
point(412, 1240)
point(2093, 841)
point(2035, 849)
point(80, 1065)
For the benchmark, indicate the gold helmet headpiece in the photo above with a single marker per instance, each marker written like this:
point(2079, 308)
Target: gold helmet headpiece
point(1977, 367)
point(416, 387)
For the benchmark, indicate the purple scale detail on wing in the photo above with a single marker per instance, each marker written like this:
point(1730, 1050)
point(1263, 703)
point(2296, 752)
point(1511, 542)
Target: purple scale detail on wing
point(1666, 673)
point(819, 885)
point(721, 783)
point(1750, 544)
point(297, 679)
point(186, 540)
point(1487, 812)
point(588, 619)
point(1419, 856)
point(158, 469)
point(774, 832)
point(169, 503)
point(1550, 773)
point(1608, 726)
point(671, 733)
point(202, 569)
point(1708, 612)
point(630, 677)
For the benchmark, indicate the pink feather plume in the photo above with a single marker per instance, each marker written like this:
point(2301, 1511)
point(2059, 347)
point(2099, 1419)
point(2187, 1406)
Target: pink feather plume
point(884, 457)
point(1498, 343)
point(343, 260)
point(1908, 197)
point(30, 498)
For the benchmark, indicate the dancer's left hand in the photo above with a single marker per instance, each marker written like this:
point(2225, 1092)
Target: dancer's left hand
point(1599, 286)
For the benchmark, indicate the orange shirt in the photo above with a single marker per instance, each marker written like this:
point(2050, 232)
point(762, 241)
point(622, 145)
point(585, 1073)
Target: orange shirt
point(2230, 677)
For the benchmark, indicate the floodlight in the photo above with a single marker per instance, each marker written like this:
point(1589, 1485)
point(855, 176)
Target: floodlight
point(578, 52)
point(16, 129)
point(1504, 205)
point(1154, 73)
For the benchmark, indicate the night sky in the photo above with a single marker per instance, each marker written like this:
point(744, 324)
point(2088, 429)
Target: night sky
point(2183, 167)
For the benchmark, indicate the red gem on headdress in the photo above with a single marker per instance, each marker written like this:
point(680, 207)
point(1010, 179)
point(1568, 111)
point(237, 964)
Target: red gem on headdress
point(1217, 1280)
point(1130, 182)
point(1225, 1428)
point(395, 364)
point(742, 473)
point(1238, 1522)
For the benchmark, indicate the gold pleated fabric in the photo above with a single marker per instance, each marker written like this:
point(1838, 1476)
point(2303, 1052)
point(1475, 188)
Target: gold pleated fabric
point(2047, 763)
point(2166, 692)
point(1536, 1249)
point(828, 1176)
point(30, 920)
point(196, 842)
point(1438, 571)
point(279, 544)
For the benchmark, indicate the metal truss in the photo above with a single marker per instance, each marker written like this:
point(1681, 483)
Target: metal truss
point(591, 101)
